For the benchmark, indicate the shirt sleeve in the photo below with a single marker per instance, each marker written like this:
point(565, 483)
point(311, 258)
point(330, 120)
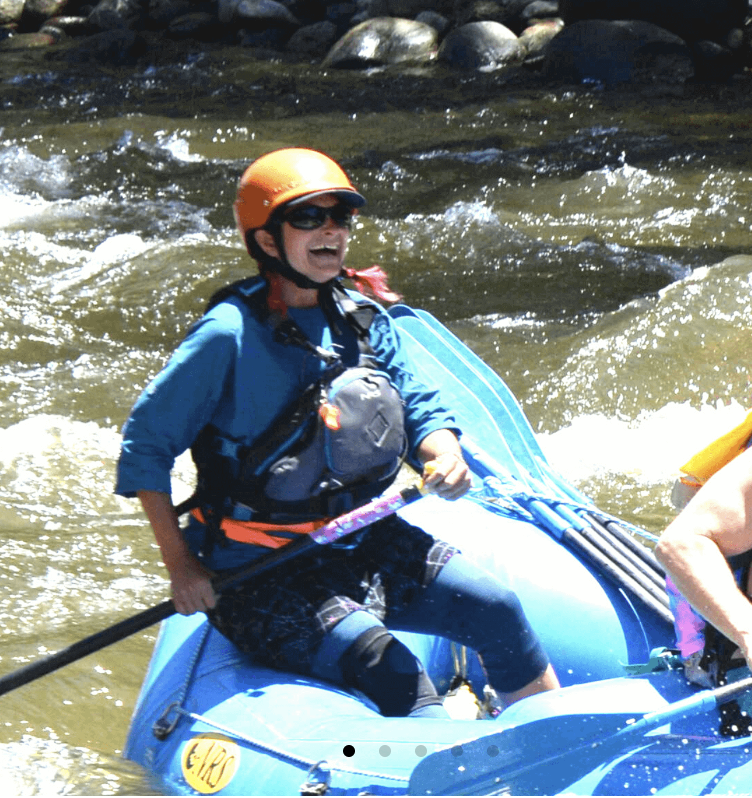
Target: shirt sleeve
point(424, 410)
point(176, 405)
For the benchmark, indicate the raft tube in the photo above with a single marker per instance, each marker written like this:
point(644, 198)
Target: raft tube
point(209, 721)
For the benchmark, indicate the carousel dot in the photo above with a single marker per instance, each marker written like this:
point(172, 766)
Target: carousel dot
point(492, 750)
point(385, 750)
point(457, 750)
point(349, 750)
point(421, 750)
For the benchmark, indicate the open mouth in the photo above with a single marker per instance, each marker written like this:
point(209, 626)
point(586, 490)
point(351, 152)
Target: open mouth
point(325, 251)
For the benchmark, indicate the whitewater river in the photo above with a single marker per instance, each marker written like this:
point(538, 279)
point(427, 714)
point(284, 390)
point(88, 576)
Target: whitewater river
point(595, 249)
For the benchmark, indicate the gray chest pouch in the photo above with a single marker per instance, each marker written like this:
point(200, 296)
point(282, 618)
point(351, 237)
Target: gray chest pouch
point(354, 435)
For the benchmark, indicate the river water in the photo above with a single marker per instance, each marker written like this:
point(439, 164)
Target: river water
point(595, 248)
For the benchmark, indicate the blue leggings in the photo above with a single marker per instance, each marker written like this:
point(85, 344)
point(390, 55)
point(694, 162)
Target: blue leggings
point(464, 604)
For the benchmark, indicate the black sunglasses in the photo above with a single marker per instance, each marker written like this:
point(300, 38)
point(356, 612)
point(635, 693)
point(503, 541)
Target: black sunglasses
point(311, 217)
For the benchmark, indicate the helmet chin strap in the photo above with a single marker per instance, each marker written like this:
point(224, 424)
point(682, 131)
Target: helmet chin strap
point(282, 266)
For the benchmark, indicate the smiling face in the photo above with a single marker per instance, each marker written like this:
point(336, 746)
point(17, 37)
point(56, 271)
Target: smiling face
point(318, 254)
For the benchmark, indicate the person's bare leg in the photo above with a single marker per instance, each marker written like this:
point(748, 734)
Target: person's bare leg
point(546, 681)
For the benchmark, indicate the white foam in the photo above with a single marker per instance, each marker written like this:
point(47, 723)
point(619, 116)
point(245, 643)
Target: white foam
point(649, 449)
point(57, 465)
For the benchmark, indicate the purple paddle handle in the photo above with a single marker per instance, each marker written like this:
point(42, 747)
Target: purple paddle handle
point(363, 516)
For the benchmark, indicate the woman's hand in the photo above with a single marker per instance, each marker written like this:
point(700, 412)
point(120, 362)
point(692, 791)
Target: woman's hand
point(192, 589)
point(445, 471)
point(447, 475)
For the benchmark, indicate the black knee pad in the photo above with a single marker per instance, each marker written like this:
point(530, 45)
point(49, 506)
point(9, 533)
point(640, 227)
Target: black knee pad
point(388, 673)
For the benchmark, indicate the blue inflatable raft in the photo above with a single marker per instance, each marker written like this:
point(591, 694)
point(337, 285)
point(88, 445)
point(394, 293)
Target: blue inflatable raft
point(625, 722)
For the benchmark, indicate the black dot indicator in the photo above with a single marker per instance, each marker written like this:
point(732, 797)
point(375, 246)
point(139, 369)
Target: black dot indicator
point(349, 750)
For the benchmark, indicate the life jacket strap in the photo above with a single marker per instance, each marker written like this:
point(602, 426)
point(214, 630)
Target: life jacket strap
point(271, 536)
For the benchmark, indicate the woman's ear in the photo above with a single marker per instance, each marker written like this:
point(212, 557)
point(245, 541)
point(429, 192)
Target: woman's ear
point(266, 241)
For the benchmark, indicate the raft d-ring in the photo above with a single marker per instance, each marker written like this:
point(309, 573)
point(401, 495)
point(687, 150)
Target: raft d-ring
point(163, 727)
point(320, 787)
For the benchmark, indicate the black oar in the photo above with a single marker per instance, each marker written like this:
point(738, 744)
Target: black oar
point(546, 756)
point(329, 533)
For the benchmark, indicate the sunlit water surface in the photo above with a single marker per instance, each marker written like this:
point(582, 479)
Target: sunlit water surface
point(594, 250)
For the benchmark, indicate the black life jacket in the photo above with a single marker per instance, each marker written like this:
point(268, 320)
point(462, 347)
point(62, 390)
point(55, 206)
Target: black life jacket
point(338, 445)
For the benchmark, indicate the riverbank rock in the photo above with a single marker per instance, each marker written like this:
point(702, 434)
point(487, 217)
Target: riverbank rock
point(482, 46)
point(27, 41)
point(524, 37)
point(120, 47)
point(118, 14)
point(616, 52)
point(10, 11)
point(538, 36)
point(692, 20)
point(383, 41)
point(256, 14)
point(313, 40)
point(37, 12)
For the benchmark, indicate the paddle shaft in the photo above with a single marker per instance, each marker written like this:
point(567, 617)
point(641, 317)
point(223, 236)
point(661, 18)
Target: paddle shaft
point(329, 533)
point(535, 758)
point(600, 750)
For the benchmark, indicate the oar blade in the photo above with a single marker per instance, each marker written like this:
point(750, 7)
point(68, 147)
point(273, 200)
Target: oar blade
point(541, 757)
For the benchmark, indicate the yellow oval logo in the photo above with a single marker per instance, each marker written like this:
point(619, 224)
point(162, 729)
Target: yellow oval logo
point(209, 762)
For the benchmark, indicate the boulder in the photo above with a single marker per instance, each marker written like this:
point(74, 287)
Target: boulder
point(256, 14)
point(693, 20)
point(10, 11)
point(37, 11)
point(411, 8)
point(370, 9)
point(406, 9)
point(202, 26)
point(482, 46)
point(612, 52)
point(313, 40)
point(71, 25)
point(27, 41)
point(162, 12)
point(437, 21)
point(480, 11)
point(119, 47)
point(116, 14)
point(538, 10)
point(537, 37)
point(383, 41)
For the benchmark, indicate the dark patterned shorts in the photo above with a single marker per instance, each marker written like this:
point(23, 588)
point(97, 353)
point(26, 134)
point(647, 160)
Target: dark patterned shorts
point(281, 618)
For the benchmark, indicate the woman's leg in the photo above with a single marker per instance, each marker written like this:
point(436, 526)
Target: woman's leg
point(471, 607)
point(361, 652)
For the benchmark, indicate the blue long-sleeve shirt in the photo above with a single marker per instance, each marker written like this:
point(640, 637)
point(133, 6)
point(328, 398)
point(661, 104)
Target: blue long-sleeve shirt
point(230, 372)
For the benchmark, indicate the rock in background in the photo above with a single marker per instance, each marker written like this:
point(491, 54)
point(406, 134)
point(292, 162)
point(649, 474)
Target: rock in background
point(609, 42)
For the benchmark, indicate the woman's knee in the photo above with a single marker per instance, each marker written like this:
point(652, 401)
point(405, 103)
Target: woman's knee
point(385, 669)
point(474, 596)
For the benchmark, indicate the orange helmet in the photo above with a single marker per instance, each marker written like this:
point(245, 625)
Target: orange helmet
point(285, 175)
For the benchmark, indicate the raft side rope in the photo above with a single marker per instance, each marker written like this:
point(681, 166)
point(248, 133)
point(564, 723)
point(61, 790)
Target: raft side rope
point(303, 762)
point(163, 726)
